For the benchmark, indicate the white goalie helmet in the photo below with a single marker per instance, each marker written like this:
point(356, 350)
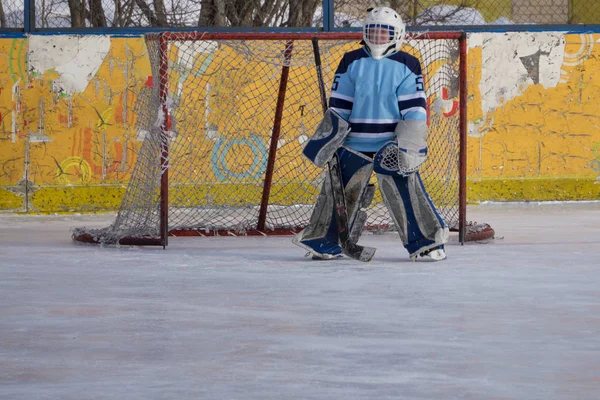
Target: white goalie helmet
point(383, 31)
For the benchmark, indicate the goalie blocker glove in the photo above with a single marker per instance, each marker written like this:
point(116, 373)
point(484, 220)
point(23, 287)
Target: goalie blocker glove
point(328, 138)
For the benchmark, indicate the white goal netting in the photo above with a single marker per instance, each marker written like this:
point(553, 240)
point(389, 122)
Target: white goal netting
point(223, 127)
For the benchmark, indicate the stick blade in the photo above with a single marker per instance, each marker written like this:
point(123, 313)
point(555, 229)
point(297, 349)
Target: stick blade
point(358, 252)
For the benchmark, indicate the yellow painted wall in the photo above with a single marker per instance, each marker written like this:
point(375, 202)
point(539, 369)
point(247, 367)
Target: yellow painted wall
point(543, 144)
point(77, 150)
point(73, 148)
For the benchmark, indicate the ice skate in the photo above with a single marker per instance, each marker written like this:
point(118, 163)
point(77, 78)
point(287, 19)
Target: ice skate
point(321, 257)
point(434, 254)
point(320, 248)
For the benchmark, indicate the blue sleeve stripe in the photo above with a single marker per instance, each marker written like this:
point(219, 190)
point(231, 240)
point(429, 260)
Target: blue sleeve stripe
point(404, 105)
point(373, 128)
point(339, 103)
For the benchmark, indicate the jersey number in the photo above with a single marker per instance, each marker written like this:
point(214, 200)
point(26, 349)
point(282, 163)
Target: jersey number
point(419, 83)
point(335, 83)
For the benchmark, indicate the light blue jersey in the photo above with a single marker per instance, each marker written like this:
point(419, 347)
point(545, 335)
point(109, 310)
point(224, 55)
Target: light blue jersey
point(373, 95)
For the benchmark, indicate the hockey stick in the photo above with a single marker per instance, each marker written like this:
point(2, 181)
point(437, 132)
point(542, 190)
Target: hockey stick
point(349, 248)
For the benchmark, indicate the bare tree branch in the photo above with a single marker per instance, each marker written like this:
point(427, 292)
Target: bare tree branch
point(2, 17)
point(76, 8)
point(233, 13)
point(147, 12)
point(212, 13)
point(97, 17)
point(161, 13)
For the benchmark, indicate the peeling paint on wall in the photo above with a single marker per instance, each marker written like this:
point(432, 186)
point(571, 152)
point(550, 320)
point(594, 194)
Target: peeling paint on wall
point(75, 59)
point(514, 61)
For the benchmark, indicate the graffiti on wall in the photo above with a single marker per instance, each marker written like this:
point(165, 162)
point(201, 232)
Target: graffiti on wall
point(69, 108)
point(66, 103)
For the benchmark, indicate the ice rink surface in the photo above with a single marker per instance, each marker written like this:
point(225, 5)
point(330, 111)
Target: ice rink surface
point(252, 318)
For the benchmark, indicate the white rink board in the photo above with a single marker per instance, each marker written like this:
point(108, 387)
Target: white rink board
point(251, 318)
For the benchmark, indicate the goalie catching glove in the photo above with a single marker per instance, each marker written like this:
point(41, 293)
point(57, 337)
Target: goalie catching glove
point(407, 153)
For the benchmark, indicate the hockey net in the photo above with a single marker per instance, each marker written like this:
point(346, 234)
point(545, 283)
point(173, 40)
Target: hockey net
point(223, 122)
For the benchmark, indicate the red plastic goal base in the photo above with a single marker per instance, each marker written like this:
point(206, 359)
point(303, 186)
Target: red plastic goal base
point(234, 233)
point(478, 232)
point(88, 238)
point(474, 233)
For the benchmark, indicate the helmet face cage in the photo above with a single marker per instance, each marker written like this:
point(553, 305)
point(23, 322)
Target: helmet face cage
point(379, 34)
point(383, 31)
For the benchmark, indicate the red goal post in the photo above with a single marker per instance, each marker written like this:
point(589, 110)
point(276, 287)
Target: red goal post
point(223, 124)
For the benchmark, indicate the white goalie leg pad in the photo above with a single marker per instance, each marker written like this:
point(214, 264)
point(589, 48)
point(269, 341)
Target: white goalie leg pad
point(360, 218)
point(320, 219)
point(356, 172)
point(419, 224)
point(357, 169)
point(407, 153)
point(327, 139)
point(395, 205)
